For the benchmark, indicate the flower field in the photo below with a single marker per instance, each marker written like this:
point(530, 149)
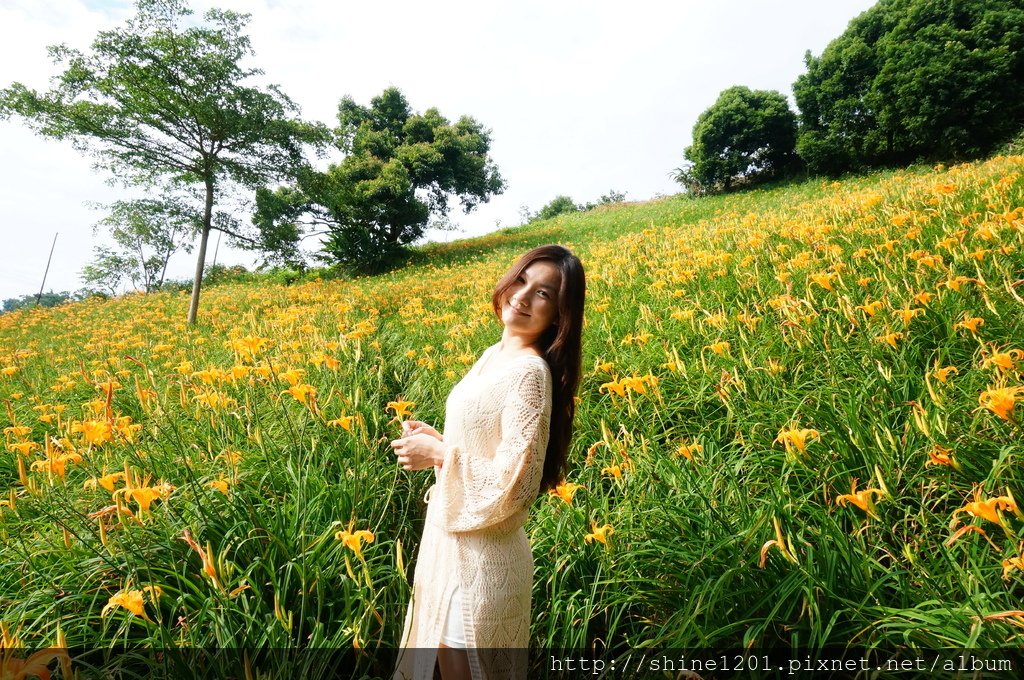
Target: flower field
point(799, 424)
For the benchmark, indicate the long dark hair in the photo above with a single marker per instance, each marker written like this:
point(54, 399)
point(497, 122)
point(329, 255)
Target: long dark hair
point(561, 347)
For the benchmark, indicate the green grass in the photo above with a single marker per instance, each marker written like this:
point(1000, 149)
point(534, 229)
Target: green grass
point(694, 558)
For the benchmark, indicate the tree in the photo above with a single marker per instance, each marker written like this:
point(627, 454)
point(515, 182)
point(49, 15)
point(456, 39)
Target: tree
point(748, 134)
point(400, 169)
point(557, 206)
point(107, 271)
point(914, 79)
point(610, 198)
point(47, 299)
point(160, 102)
point(147, 232)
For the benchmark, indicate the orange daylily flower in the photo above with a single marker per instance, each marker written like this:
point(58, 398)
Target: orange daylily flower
point(210, 376)
point(871, 308)
point(1006, 361)
point(344, 422)
point(971, 324)
point(890, 338)
point(637, 338)
point(599, 534)
point(942, 374)
point(353, 540)
point(720, 348)
point(303, 393)
point(94, 431)
point(35, 665)
point(925, 259)
point(565, 491)
point(126, 428)
point(988, 509)
point(687, 450)
point(592, 450)
point(327, 360)
point(401, 408)
point(133, 601)
point(635, 384)
point(291, 376)
point(616, 386)
point(748, 320)
point(215, 400)
point(143, 495)
point(1010, 564)
point(56, 463)
point(23, 448)
point(957, 282)
point(140, 492)
point(95, 406)
point(824, 280)
point(1001, 400)
point(248, 346)
point(907, 314)
point(796, 438)
point(968, 529)
point(941, 455)
point(862, 499)
point(616, 469)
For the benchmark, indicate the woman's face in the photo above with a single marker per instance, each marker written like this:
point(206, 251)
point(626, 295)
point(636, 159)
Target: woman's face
point(531, 302)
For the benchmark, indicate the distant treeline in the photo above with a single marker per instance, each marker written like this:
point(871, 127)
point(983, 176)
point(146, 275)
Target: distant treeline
point(48, 299)
point(215, 274)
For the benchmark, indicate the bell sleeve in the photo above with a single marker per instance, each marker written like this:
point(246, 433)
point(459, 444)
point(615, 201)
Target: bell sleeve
point(482, 491)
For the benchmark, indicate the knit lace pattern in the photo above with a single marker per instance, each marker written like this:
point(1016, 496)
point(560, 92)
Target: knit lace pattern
point(496, 432)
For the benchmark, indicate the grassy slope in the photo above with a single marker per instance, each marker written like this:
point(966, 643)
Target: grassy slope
point(724, 532)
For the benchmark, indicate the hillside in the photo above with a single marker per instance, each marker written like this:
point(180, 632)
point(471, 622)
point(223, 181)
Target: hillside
point(800, 418)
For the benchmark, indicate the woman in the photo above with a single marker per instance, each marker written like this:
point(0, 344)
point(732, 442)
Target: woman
point(507, 429)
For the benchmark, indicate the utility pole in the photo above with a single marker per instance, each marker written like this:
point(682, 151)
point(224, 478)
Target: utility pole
point(216, 248)
point(45, 273)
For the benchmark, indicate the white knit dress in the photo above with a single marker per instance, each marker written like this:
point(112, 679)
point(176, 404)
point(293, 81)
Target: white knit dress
point(495, 433)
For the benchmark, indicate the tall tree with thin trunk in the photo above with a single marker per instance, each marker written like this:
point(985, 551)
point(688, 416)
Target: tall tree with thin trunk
point(160, 102)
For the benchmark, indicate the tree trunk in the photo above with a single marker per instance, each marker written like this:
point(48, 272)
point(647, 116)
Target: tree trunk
point(197, 283)
point(142, 263)
point(163, 270)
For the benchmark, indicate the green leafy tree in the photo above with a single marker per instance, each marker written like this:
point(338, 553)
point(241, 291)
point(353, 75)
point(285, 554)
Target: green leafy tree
point(108, 270)
point(746, 134)
point(559, 205)
point(400, 169)
point(161, 102)
point(914, 79)
point(147, 233)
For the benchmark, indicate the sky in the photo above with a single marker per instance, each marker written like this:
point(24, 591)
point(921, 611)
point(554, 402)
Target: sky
point(581, 98)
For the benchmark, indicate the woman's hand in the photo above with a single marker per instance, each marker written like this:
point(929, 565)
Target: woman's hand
point(416, 427)
point(419, 451)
